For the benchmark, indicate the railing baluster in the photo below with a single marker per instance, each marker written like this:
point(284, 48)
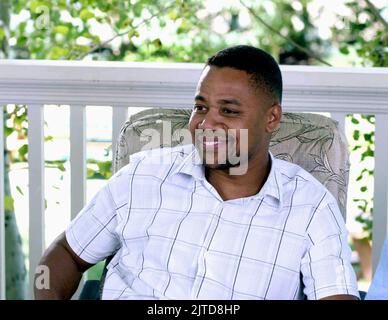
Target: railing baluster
point(36, 187)
point(380, 205)
point(119, 116)
point(2, 212)
point(340, 117)
point(77, 166)
point(77, 158)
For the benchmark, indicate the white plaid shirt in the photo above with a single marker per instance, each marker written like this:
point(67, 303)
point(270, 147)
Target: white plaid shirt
point(177, 239)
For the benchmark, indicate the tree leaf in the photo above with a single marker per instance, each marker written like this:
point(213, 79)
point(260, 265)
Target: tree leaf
point(61, 167)
point(85, 14)
point(104, 166)
point(355, 121)
point(35, 4)
point(8, 203)
point(368, 137)
point(356, 134)
point(132, 33)
point(23, 150)
point(8, 131)
point(61, 29)
point(344, 50)
point(20, 190)
point(57, 53)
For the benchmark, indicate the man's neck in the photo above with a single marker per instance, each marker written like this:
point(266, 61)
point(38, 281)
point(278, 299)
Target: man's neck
point(239, 186)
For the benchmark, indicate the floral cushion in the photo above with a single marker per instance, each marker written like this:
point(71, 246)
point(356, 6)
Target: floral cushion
point(312, 141)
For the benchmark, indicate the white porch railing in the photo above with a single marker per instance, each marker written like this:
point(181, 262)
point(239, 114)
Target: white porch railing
point(339, 91)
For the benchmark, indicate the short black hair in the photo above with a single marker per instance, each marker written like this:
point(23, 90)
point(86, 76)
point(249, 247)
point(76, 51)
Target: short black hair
point(264, 70)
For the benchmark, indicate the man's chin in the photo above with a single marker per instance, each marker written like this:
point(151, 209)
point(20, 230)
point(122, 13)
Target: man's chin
point(222, 166)
point(217, 160)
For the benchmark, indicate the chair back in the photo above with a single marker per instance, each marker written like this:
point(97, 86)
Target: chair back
point(312, 141)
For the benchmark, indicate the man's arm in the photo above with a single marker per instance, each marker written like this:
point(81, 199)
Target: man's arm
point(65, 268)
point(326, 267)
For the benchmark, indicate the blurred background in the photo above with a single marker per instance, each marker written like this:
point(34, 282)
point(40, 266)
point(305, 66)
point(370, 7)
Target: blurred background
point(336, 33)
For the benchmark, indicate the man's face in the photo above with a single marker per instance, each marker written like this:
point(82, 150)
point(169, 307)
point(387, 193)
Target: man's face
point(225, 100)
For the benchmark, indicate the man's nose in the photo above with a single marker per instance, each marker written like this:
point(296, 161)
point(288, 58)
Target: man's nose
point(211, 122)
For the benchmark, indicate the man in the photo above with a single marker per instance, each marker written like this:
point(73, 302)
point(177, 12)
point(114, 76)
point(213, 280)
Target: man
point(192, 228)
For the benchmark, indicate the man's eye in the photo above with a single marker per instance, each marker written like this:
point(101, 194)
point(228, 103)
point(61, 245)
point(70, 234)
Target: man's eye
point(229, 111)
point(199, 108)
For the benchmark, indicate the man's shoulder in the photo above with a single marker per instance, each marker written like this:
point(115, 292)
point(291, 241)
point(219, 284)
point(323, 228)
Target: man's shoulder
point(292, 173)
point(165, 153)
point(150, 165)
point(156, 161)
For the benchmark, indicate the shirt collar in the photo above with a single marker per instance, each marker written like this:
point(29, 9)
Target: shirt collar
point(192, 165)
point(273, 184)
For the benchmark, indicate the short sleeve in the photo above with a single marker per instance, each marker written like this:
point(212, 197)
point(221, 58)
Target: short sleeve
point(91, 234)
point(326, 266)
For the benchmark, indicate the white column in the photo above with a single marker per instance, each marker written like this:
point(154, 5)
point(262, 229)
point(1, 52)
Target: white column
point(119, 116)
point(36, 187)
point(77, 158)
point(77, 167)
point(380, 206)
point(2, 220)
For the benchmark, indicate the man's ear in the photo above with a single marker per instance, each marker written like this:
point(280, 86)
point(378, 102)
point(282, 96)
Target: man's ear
point(274, 114)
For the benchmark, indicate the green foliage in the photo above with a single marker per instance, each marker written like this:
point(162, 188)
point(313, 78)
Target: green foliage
point(8, 203)
point(363, 31)
point(2, 34)
point(59, 164)
point(67, 30)
point(293, 38)
point(99, 169)
point(364, 146)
